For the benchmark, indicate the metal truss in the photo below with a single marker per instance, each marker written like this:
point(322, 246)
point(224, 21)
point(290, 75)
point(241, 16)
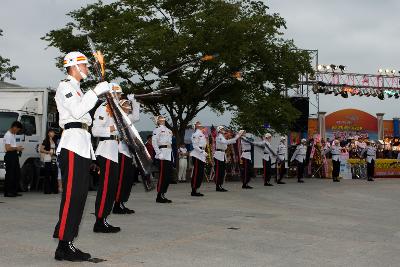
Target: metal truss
point(354, 80)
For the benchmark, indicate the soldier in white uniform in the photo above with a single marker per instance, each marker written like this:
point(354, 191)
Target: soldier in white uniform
point(107, 159)
point(335, 150)
point(162, 144)
point(268, 156)
point(199, 155)
point(221, 144)
point(299, 156)
point(127, 165)
point(370, 151)
point(75, 152)
point(280, 161)
point(247, 170)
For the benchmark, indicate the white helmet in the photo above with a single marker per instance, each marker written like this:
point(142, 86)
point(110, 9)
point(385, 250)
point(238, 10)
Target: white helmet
point(267, 135)
point(219, 128)
point(197, 124)
point(75, 58)
point(283, 138)
point(115, 88)
point(303, 140)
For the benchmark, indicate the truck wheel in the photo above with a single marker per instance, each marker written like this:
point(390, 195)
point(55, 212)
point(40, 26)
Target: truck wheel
point(27, 177)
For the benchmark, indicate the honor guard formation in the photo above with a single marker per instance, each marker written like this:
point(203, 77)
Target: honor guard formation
point(121, 156)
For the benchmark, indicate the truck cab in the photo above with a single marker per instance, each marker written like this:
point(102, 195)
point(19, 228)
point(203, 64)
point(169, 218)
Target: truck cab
point(30, 107)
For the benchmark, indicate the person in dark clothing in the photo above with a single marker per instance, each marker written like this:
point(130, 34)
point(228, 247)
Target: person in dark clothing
point(48, 151)
point(11, 160)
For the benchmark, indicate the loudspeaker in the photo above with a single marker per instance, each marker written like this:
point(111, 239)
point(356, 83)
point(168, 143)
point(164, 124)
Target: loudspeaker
point(302, 105)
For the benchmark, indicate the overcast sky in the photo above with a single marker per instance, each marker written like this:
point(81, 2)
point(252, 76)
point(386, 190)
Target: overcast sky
point(363, 35)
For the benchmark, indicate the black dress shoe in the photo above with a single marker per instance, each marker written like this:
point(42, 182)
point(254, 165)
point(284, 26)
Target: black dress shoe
point(280, 182)
point(67, 251)
point(300, 181)
point(220, 189)
point(117, 209)
point(268, 184)
point(370, 179)
point(10, 195)
point(18, 195)
point(102, 226)
point(127, 210)
point(196, 194)
point(161, 200)
point(173, 182)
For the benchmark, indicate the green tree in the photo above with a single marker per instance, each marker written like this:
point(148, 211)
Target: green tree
point(140, 37)
point(6, 70)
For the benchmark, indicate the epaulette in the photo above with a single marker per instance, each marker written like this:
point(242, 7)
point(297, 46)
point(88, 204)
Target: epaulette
point(66, 80)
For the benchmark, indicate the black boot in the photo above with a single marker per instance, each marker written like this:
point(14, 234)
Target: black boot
point(127, 210)
point(67, 251)
point(118, 209)
point(102, 226)
point(268, 184)
point(300, 181)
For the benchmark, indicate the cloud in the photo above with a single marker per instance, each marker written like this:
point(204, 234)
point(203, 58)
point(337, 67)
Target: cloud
point(360, 34)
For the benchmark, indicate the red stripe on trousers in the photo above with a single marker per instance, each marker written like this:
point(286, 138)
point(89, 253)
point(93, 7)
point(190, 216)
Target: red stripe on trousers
point(195, 173)
point(161, 176)
point(245, 171)
point(217, 173)
point(121, 175)
point(67, 195)
point(105, 188)
point(265, 171)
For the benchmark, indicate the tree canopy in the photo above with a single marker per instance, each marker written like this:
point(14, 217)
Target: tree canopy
point(6, 69)
point(141, 37)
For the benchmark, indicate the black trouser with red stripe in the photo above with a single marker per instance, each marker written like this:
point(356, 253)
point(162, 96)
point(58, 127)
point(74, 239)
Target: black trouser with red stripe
point(219, 170)
point(336, 168)
point(107, 187)
point(197, 173)
point(126, 178)
point(281, 170)
point(371, 169)
point(75, 181)
point(300, 170)
point(164, 179)
point(247, 171)
point(267, 171)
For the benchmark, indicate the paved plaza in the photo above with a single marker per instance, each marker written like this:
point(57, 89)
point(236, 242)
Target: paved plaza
point(319, 223)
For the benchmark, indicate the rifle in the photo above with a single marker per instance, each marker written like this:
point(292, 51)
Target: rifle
point(126, 129)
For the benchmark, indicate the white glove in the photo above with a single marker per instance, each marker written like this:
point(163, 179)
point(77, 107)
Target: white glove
point(242, 132)
point(161, 156)
point(131, 97)
point(102, 88)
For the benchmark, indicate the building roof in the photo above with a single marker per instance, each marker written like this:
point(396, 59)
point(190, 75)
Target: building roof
point(8, 85)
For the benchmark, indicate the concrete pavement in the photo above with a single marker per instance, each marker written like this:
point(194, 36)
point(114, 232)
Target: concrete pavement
point(319, 223)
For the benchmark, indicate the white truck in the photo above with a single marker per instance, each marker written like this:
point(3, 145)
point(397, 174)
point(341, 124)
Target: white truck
point(31, 108)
